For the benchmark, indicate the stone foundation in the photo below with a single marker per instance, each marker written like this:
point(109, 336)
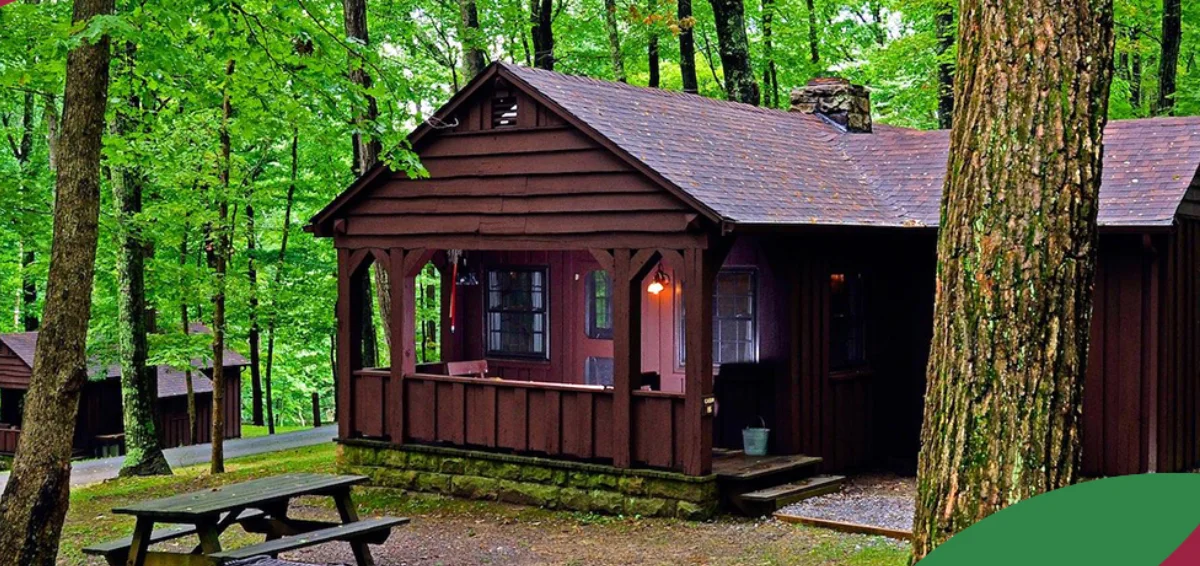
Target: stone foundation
point(553, 484)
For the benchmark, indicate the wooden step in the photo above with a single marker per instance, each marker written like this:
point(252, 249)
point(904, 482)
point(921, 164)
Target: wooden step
point(771, 499)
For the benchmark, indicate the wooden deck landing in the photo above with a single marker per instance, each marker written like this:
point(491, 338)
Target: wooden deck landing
point(760, 485)
point(737, 466)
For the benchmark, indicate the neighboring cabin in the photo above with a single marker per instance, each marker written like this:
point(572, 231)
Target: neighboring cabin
point(606, 249)
point(99, 428)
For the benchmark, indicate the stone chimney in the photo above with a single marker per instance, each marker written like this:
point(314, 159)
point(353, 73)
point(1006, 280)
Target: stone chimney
point(846, 104)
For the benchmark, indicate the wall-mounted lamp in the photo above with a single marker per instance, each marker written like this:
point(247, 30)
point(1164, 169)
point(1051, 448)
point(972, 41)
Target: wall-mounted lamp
point(466, 277)
point(659, 283)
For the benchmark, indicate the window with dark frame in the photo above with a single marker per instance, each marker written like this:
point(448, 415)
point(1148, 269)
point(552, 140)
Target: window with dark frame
point(735, 318)
point(516, 313)
point(599, 305)
point(847, 321)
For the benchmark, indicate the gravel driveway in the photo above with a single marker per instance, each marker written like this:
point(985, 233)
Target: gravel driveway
point(877, 500)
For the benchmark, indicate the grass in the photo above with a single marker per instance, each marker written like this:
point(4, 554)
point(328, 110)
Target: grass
point(251, 431)
point(559, 537)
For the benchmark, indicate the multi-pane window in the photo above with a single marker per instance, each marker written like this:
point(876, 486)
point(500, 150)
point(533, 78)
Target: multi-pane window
point(735, 318)
point(517, 313)
point(847, 320)
point(599, 305)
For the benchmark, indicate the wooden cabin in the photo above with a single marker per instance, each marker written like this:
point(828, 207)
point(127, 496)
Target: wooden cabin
point(99, 429)
point(631, 276)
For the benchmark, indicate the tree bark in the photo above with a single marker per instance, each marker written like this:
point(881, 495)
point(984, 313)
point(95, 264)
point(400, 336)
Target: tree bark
point(687, 47)
point(652, 56)
point(367, 147)
point(473, 54)
point(34, 504)
point(541, 16)
point(730, 19)
point(256, 389)
point(944, 28)
point(287, 226)
point(770, 72)
point(221, 262)
point(139, 383)
point(1168, 60)
point(814, 46)
point(1016, 254)
point(614, 39)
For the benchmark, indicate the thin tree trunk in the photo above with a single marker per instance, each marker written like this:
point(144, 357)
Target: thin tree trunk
point(687, 47)
point(221, 261)
point(814, 45)
point(652, 56)
point(472, 38)
point(366, 145)
point(1016, 255)
point(34, 504)
point(541, 16)
point(730, 19)
point(1135, 72)
point(256, 389)
point(193, 429)
point(22, 151)
point(1168, 60)
point(944, 28)
point(770, 73)
point(287, 226)
point(614, 39)
point(139, 383)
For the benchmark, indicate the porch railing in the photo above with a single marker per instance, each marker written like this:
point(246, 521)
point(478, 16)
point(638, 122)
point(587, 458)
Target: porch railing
point(558, 420)
point(8, 439)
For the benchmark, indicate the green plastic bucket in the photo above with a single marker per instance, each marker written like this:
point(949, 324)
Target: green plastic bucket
point(754, 441)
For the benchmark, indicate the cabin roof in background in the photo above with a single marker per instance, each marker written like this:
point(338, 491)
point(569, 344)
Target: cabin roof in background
point(752, 165)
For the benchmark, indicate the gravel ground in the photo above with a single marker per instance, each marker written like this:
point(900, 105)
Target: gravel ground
point(878, 500)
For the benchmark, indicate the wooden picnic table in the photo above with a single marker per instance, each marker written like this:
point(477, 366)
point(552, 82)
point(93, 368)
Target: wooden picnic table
point(259, 506)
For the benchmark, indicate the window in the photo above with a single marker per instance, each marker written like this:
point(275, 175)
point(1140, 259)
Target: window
point(504, 110)
point(516, 313)
point(599, 305)
point(847, 321)
point(598, 371)
point(735, 318)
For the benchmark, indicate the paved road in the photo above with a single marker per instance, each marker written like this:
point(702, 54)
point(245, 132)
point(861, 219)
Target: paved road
point(86, 472)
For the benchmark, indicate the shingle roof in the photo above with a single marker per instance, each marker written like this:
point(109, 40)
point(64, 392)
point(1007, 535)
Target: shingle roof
point(171, 382)
point(755, 165)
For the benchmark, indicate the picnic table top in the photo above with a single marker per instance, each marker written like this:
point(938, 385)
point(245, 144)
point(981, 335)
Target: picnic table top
point(208, 503)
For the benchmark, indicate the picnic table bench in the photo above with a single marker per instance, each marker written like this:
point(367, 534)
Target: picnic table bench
point(259, 506)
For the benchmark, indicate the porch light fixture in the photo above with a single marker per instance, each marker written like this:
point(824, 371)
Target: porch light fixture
point(659, 283)
point(466, 277)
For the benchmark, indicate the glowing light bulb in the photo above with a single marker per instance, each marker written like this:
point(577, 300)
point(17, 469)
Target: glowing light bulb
point(655, 287)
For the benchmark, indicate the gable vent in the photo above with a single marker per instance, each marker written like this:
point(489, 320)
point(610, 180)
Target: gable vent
point(504, 110)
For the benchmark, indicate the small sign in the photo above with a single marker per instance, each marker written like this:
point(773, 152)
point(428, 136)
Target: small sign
point(710, 406)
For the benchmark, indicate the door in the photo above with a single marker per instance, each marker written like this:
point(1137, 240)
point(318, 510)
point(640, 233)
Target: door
point(593, 325)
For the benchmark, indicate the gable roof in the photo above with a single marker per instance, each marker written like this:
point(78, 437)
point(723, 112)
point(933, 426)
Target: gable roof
point(171, 382)
point(750, 165)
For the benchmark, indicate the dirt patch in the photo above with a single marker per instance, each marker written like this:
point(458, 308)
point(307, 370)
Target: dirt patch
point(885, 501)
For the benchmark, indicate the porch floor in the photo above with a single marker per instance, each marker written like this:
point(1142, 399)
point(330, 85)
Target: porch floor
point(735, 465)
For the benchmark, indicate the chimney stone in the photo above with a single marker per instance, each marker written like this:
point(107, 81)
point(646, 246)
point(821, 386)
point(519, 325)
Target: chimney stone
point(835, 98)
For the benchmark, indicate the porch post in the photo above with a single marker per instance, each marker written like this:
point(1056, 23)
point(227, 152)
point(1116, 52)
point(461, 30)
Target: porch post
point(402, 278)
point(627, 354)
point(347, 339)
point(698, 275)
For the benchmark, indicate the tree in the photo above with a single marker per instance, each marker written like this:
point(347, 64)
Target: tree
point(614, 39)
point(34, 504)
point(653, 63)
point(687, 47)
point(730, 19)
point(253, 337)
point(770, 72)
point(541, 18)
point(219, 261)
point(1016, 254)
point(471, 38)
point(814, 49)
point(287, 224)
point(139, 381)
point(1168, 61)
point(944, 28)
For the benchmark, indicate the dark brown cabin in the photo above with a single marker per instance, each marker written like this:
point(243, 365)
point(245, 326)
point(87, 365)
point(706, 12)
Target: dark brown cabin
point(796, 257)
point(99, 428)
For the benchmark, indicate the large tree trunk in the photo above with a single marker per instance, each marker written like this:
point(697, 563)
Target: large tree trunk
point(366, 145)
point(541, 16)
point(770, 72)
point(730, 19)
point(687, 47)
point(1168, 61)
point(256, 389)
point(139, 383)
point(220, 264)
point(34, 504)
point(1016, 254)
point(944, 28)
point(614, 39)
point(472, 38)
point(814, 44)
point(287, 226)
